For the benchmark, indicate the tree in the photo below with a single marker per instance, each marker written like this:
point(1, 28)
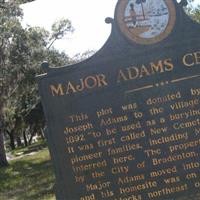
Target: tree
point(25, 1)
point(9, 20)
point(21, 52)
point(193, 10)
point(27, 50)
point(3, 160)
point(59, 29)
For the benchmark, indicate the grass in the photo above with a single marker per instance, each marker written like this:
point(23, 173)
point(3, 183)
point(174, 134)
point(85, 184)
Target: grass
point(33, 147)
point(28, 178)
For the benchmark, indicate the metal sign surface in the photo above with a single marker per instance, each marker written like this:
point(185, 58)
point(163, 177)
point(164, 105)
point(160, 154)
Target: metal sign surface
point(125, 124)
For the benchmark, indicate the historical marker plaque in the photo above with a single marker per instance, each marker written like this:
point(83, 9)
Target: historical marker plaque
point(125, 124)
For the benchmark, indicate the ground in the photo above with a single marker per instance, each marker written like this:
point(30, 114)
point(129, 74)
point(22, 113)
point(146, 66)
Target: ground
point(29, 177)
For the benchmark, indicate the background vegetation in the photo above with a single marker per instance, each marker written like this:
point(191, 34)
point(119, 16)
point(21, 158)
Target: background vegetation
point(22, 50)
point(28, 178)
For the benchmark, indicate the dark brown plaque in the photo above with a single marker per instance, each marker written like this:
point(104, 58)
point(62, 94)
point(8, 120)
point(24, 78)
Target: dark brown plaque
point(125, 124)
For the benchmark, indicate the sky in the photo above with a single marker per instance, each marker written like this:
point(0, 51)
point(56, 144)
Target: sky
point(87, 17)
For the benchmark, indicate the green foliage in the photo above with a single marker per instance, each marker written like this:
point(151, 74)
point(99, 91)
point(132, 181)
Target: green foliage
point(28, 178)
point(22, 50)
point(195, 14)
point(193, 10)
point(23, 151)
point(24, 1)
point(60, 29)
point(82, 56)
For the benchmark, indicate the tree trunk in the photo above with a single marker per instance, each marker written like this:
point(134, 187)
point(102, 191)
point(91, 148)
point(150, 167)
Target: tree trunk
point(19, 141)
point(25, 139)
point(42, 134)
point(3, 160)
point(30, 139)
point(12, 139)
